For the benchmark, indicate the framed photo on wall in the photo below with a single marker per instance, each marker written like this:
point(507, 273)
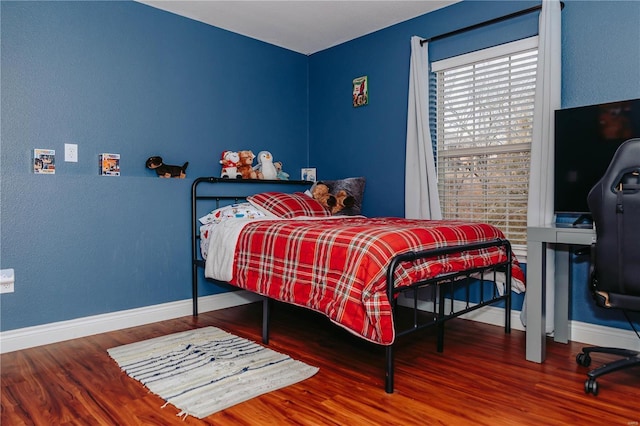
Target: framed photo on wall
point(44, 161)
point(109, 164)
point(360, 91)
point(309, 174)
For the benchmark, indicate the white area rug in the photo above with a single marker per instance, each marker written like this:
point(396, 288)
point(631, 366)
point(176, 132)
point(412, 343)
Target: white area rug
point(206, 370)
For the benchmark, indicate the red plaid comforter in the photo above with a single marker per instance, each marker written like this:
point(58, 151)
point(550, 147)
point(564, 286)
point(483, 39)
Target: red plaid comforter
point(338, 266)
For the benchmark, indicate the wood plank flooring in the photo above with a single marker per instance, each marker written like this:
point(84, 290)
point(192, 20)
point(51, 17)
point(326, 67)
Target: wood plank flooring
point(481, 378)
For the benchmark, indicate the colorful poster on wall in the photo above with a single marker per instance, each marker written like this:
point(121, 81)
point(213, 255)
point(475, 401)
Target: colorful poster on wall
point(44, 161)
point(309, 174)
point(109, 164)
point(360, 91)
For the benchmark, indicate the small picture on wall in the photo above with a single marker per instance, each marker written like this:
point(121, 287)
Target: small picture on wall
point(360, 91)
point(44, 161)
point(309, 174)
point(109, 164)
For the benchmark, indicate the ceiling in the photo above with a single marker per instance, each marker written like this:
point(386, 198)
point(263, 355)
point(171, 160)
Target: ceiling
point(304, 26)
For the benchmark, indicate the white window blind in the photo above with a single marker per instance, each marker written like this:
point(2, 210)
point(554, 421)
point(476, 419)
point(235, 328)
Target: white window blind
point(484, 116)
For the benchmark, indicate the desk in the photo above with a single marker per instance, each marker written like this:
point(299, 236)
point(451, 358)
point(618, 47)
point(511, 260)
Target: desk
point(559, 238)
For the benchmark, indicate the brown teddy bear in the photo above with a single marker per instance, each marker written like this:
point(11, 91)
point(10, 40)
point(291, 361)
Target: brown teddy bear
point(335, 203)
point(245, 165)
point(320, 193)
point(343, 201)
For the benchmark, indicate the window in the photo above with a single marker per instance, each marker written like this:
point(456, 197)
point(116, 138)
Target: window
point(484, 123)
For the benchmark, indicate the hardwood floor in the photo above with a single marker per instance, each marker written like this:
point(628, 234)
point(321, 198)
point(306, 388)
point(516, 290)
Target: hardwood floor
point(481, 378)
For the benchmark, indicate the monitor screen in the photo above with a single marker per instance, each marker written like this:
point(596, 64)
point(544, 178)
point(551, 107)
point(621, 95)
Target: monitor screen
point(585, 140)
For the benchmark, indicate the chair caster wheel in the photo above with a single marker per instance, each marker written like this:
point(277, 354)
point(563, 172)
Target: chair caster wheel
point(583, 359)
point(591, 386)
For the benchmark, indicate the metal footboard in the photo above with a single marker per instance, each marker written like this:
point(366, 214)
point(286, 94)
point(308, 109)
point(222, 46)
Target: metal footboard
point(443, 286)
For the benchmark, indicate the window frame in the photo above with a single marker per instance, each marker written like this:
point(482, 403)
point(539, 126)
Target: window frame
point(469, 59)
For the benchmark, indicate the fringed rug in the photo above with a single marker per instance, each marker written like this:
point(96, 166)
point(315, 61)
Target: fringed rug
point(206, 370)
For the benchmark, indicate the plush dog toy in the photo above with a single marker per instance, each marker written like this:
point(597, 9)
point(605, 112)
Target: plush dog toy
point(165, 170)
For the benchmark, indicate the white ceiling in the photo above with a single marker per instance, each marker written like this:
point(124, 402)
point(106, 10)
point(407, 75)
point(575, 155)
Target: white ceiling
point(304, 26)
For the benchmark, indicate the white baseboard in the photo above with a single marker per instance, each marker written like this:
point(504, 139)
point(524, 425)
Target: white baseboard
point(590, 334)
point(593, 334)
point(28, 337)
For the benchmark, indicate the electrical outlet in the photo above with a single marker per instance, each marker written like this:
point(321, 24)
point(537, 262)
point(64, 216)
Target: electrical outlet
point(7, 278)
point(71, 152)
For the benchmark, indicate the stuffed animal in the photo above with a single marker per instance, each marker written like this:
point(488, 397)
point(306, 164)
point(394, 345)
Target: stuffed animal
point(229, 161)
point(165, 170)
point(281, 174)
point(245, 165)
point(337, 202)
point(343, 201)
point(265, 166)
point(320, 192)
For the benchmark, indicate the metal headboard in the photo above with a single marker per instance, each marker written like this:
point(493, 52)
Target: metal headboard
point(198, 194)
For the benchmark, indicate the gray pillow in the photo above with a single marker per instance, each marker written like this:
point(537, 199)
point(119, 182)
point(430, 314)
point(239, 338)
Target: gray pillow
point(353, 186)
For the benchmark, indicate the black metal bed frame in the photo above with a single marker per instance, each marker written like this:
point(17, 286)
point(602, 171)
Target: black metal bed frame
point(443, 285)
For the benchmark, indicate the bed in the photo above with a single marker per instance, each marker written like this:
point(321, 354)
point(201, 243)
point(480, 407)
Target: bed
point(353, 269)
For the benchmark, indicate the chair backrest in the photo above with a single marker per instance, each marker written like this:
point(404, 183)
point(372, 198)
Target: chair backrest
point(614, 203)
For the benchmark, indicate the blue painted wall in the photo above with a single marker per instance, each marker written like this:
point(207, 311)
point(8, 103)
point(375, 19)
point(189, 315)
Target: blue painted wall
point(123, 77)
point(126, 78)
point(370, 140)
point(601, 63)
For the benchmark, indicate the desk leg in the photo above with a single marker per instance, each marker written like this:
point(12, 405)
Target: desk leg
point(561, 332)
point(536, 301)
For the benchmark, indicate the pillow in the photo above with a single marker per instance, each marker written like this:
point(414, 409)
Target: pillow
point(353, 186)
point(232, 211)
point(287, 206)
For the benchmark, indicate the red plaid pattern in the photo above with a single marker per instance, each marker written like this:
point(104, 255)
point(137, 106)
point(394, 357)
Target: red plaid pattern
point(338, 267)
point(287, 206)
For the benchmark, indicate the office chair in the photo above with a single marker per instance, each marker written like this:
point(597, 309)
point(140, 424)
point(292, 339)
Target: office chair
point(614, 203)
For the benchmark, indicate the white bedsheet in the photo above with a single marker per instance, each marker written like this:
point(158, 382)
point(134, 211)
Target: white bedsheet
point(221, 246)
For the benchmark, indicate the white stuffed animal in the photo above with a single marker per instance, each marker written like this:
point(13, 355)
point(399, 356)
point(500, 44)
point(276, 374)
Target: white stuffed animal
point(229, 163)
point(266, 166)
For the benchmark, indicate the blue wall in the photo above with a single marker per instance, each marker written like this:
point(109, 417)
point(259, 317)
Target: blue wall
point(124, 77)
point(370, 140)
point(601, 63)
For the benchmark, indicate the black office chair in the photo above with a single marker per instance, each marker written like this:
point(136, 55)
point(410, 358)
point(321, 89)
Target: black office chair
point(614, 203)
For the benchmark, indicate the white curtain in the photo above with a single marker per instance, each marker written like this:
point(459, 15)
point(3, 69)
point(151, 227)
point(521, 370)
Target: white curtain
point(547, 100)
point(421, 190)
